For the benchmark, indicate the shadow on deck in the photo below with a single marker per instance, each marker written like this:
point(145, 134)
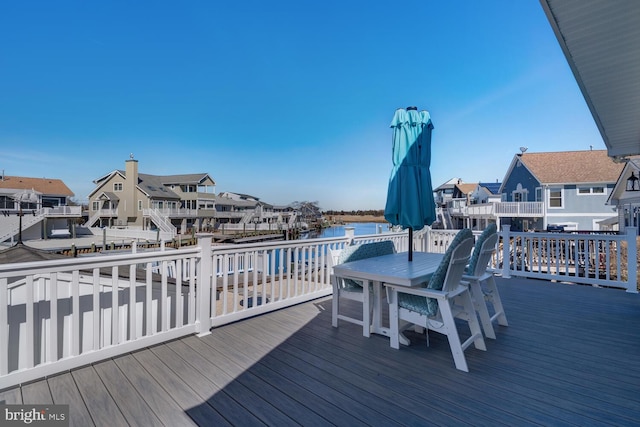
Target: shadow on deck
point(570, 356)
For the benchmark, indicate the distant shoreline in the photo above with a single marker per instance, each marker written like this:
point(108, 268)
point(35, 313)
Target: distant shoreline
point(356, 218)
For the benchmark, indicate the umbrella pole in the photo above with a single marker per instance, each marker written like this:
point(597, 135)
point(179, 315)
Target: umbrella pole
point(410, 244)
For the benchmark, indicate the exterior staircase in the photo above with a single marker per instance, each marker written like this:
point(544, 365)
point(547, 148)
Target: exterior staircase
point(444, 217)
point(10, 225)
point(162, 222)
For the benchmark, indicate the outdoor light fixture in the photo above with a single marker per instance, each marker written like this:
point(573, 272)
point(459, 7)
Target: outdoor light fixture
point(633, 183)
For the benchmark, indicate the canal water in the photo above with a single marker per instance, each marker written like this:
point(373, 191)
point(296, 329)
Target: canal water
point(360, 229)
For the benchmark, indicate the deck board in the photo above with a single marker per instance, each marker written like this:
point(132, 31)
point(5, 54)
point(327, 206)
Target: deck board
point(64, 390)
point(12, 396)
point(99, 403)
point(37, 392)
point(570, 356)
point(161, 403)
point(179, 390)
point(133, 406)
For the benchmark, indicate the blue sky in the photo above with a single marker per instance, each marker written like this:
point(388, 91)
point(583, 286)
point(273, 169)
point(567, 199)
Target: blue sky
point(284, 100)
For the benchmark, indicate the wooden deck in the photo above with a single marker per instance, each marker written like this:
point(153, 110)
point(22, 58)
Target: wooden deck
point(570, 356)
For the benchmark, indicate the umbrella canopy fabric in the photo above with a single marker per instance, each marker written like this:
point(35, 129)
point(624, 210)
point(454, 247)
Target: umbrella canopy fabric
point(410, 202)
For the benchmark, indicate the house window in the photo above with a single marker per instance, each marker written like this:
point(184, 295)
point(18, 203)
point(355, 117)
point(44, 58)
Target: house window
point(591, 190)
point(117, 186)
point(95, 206)
point(139, 205)
point(555, 198)
point(538, 194)
point(517, 197)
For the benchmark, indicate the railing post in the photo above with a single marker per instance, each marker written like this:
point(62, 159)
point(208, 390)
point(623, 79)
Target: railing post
point(632, 256)
point(203, 285)
point(426, 240)
point(505, 251)
point(350, 233)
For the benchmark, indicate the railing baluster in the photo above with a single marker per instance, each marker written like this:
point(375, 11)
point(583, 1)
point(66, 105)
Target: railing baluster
point(29, 350)
point(163, 303)
point(132, 303)
point(115, 336)
point(4, 327)
point(179, 297)
point(150, 328)
point(98, 331)
point(75, 313)
point(53, 322)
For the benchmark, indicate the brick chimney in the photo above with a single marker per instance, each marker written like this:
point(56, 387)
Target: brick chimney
point(130, 189)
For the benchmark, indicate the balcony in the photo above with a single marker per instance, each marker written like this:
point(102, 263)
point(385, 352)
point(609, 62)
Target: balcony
point(570, 356)
point(506, 209)
point(178, 353)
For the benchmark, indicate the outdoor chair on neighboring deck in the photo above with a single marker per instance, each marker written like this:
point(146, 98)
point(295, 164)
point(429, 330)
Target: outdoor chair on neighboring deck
point(354, 289)
point(436, 305)
point(477, 274)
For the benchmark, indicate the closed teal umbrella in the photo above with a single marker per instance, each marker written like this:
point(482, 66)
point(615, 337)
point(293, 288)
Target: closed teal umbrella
point(410, 201)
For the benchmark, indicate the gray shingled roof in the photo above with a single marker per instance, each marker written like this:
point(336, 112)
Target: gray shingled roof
point(590, 166)
point(192, 178)
point(154, 186)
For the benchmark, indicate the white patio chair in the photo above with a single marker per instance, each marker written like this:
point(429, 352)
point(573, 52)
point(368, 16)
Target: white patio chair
point(353, 289)
point(436, 306)
point(482, 284)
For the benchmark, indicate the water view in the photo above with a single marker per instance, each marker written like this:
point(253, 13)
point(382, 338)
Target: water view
point(360, 229)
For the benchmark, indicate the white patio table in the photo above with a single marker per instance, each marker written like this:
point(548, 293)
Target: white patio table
point(394, 269)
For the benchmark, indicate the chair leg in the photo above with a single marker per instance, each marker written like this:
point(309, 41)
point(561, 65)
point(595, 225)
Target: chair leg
point(334, 303)
point(474, 325)
point(481, 308)
point(494, 296)
point(449, 328)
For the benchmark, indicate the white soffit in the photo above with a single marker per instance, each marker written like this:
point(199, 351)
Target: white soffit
point(601, 41)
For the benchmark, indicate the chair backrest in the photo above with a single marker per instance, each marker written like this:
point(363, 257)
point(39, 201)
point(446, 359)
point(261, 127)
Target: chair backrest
point(436, 280)
point(366, 250)
point(489, 231)
point(362, 251)
point(457, 263)
point(485, 252)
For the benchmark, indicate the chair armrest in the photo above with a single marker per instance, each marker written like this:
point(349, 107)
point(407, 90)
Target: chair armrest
point(428, 293)
point(480, 278)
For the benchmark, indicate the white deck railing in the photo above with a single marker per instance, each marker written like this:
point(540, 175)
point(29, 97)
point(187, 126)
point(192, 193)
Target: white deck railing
point(61, 314)
point(594, 259)
point(500, 209)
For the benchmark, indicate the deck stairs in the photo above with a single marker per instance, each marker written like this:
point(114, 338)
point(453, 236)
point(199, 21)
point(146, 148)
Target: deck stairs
point(444, 217)
point(162, 222)
point(246, 218)
point(10, 225)
point(94, 218)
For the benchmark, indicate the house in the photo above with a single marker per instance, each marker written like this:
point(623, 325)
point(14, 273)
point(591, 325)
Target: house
point(442, 196)
point(237, 212)
point(169, 203)
point(35, 208)
point(444, 192)
point(486, 192)
point(625, 196)
point(462, 210)
point(567, 189)
point(457, 205)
